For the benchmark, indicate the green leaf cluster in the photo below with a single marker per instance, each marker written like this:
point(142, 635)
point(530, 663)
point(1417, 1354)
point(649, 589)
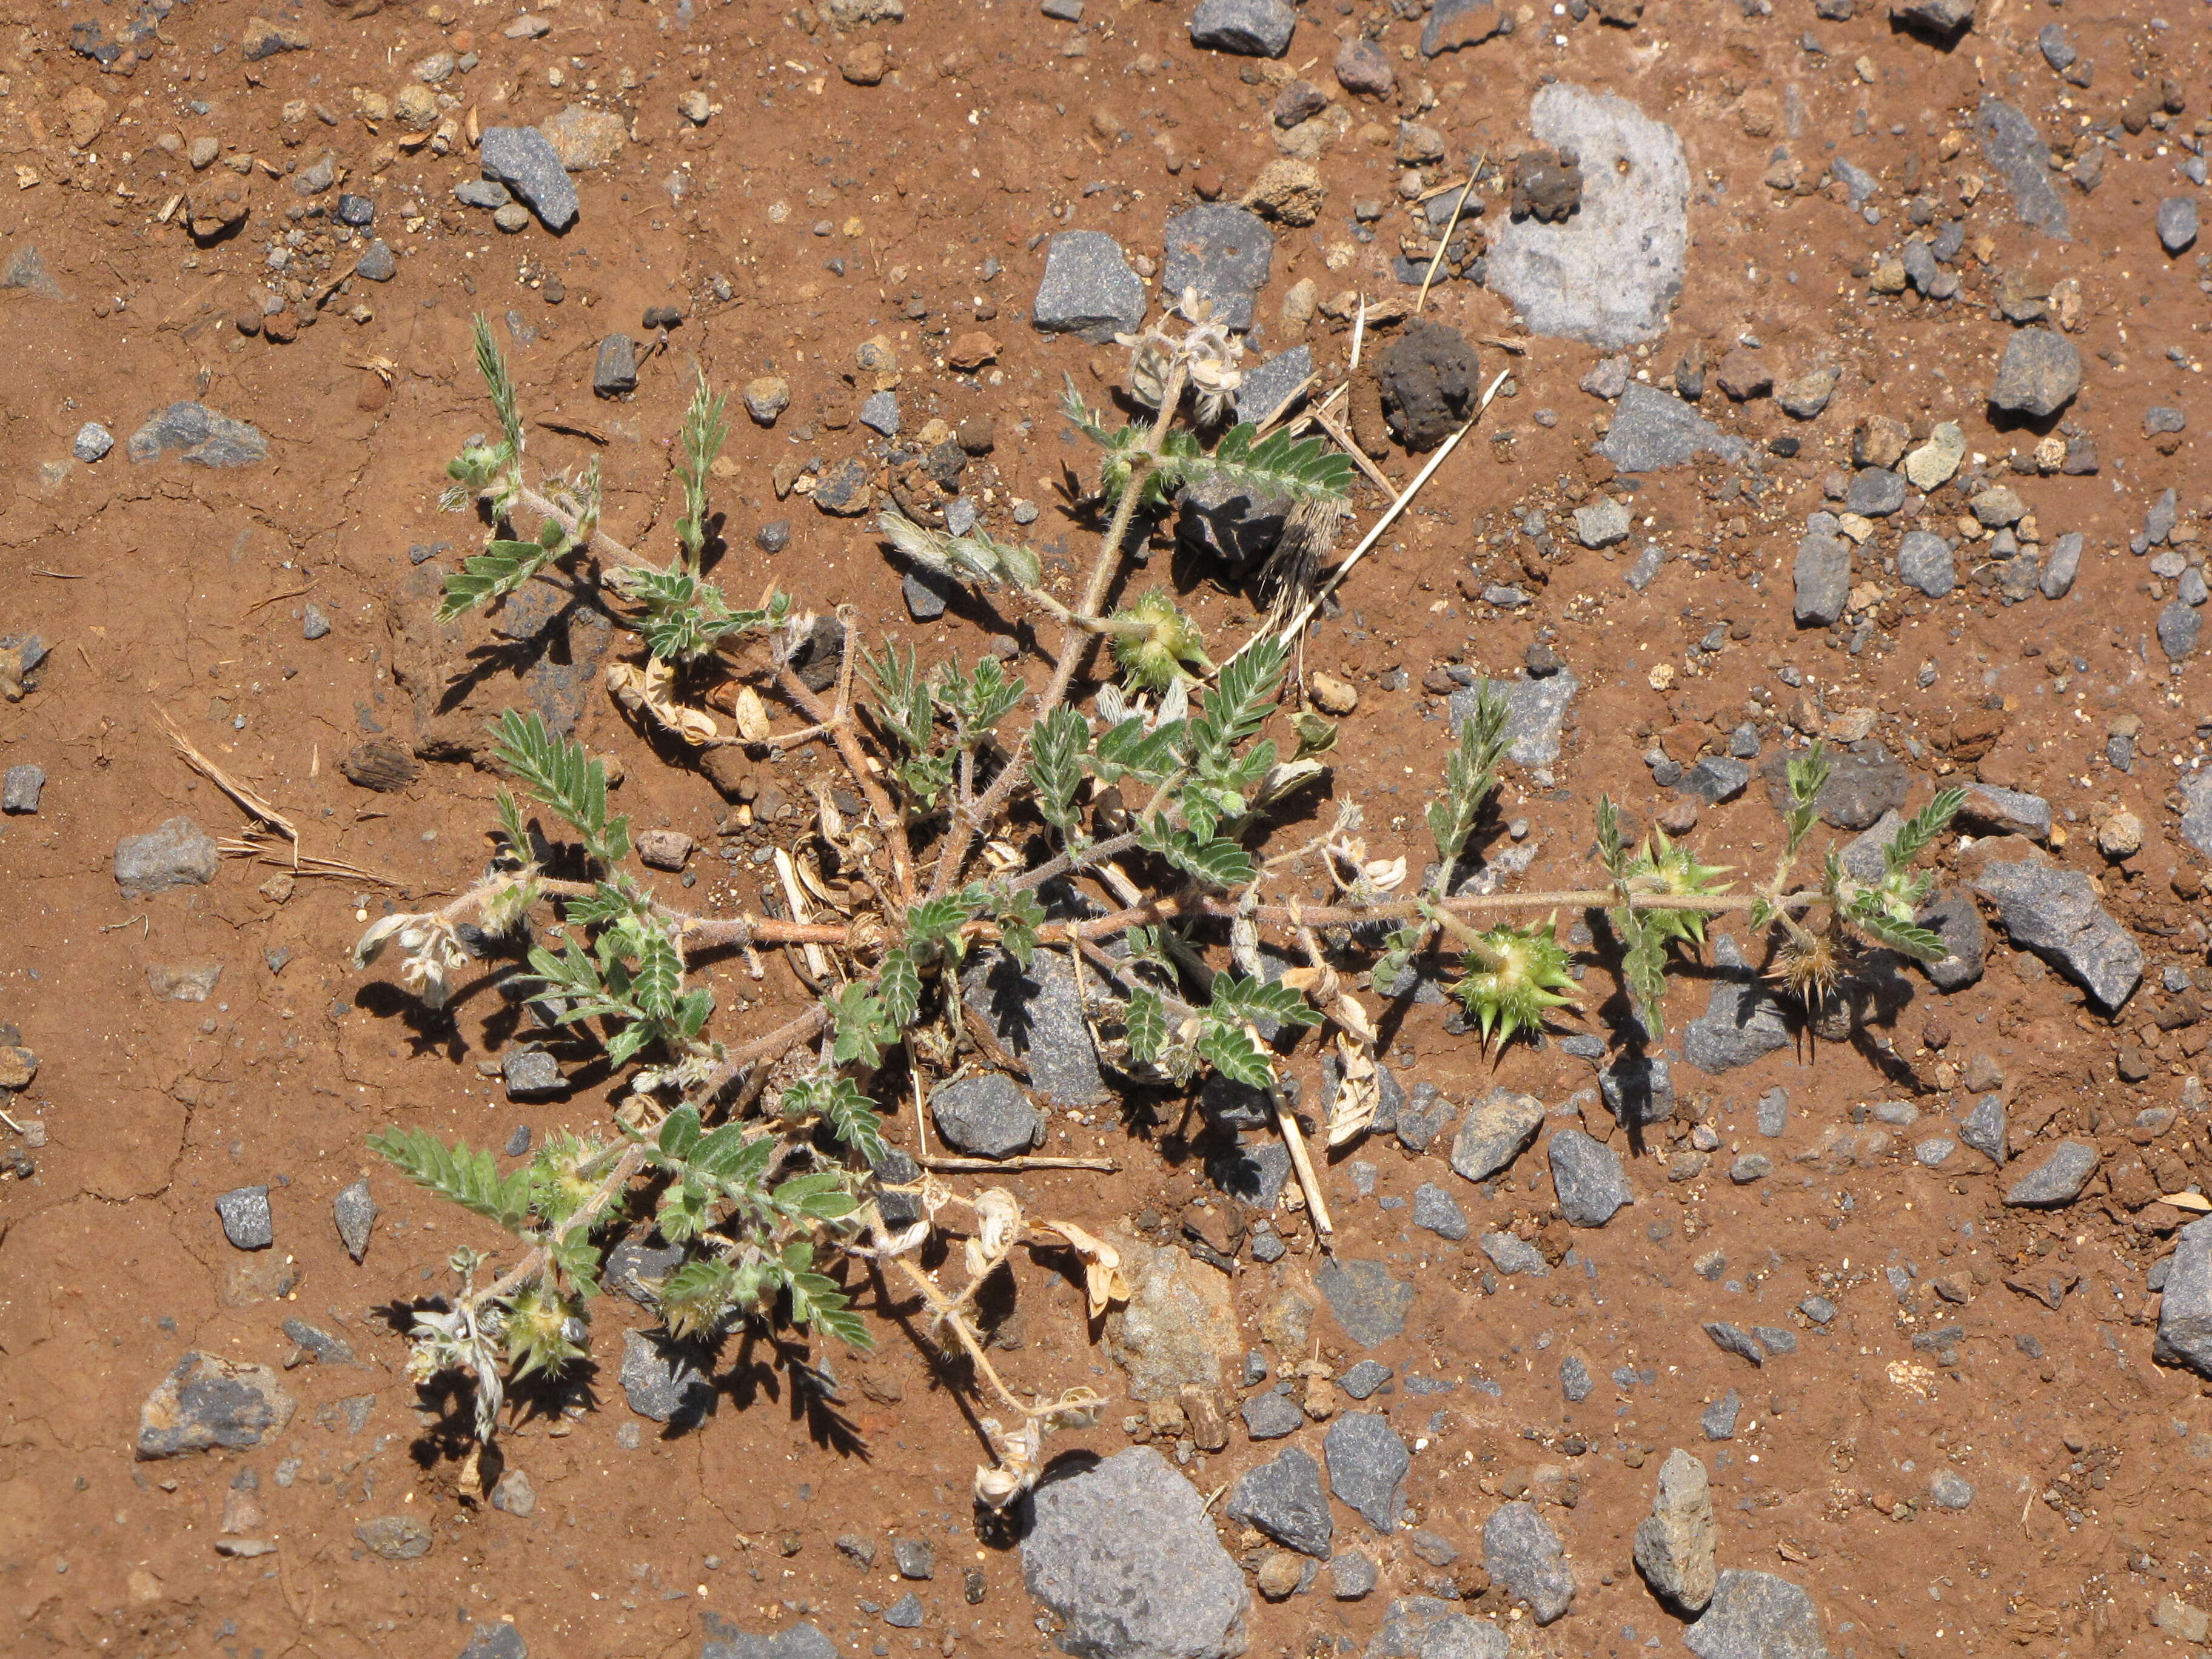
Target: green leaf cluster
point(560, 773)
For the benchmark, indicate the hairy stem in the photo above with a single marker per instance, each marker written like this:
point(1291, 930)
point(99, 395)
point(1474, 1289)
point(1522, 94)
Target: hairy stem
point(1075, 645)
point(524, 1272)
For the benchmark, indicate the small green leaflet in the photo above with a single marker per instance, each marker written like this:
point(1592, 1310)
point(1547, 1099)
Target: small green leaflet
point(838, 1101)
point(1055, 763)
point(1912, 939)
point(1147, 1023)
point(1217, 863)
point(469, 1178)
point(863, 1028)
point(499, 570)
point(1236, 997)
point(898, 987)
point(1230, 1049)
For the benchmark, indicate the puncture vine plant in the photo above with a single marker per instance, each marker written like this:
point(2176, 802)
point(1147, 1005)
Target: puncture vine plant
point(985, 797)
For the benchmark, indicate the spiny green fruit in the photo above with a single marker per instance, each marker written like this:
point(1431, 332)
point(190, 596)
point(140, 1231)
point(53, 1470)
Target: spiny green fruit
point(1676, 871)
point(541, 1331)
point(1530, 975)
point(1153, 640)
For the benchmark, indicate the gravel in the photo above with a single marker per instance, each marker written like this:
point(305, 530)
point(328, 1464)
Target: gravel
point(1271, 1416)
point(1124, 1555)
point(1369, 1303)
point(1950, 1490)
point(2038, 373)
point(986, 1116)
point(1497, 1129)
point(354, 1214)
point(524, 160)
point(1536, 712)
point(1283, 1499)
point(1036, 1017)
point(2185, 1318)
point(207, 1402)
point(1438, 1211)
point(22, 787)
point(92, 440)
point(662, 1382)
point(1676, 1544)
point(1367, 1465)
point(614, 371)
point(1719, 1419)
point(1743, 1021)
point(2055, 912)
point(1651, 430)
point(1588, 1177)
point(2177, 223)
point(1984, 1128)
point(1822, 578)
point(246, 1222)
point(1427, 1628)
point(1512, 1255)
point(1250, 29)
point(1223, 251)
point(2058, 1181)
point(530, 1074)
point(1525, 1559)
point(200, 436)
point(2011, 144)
point(1088, 289)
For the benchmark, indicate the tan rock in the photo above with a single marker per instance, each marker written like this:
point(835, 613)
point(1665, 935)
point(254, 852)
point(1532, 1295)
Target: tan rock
point(585, 138)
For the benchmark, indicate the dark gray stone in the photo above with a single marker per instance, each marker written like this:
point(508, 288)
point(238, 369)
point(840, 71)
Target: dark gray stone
point(1351, 1576)
point(532, 1073)
point(1756, 1615)
point(1775, 1339)
point(27, 271)
point(314, 625)
point(200, 435)
point(2055, 912)
point(1743, 1021)
point(1609, 274)
point(1512, 1255)
point(879, 412)
point(1369, 1303)
point(2184, 1316)
point(2197, 811)
point(1223, 251)
point(1587, 1178)
point(2179, 627)
point(1255, 1174)
point(1367, 1465)
point(1651, 430)
point(1950, 1490)
point(1267, 387)
point(1719, 1419)
point(2012, 146)
point(1284, 1499)
point(614, 371)
point(485, 193)
point(1822, 579)
point(2058, 1181)
point(1574, 1380)
point(377, 263)
point(1438, 1211)
point(208, 1401)
point(1419, 1119)
point(1774, 1112)
point(1425, 1627)
point(355, 1212)
point(316, 1345)
point(1859, 790)
point(22, 787)
point(1088, 289)
point(246, 1222)
point(524, 160)
point(1989, 809)
point(2058, 51)
point(2038, 373)
point(1036, 1018)
point(844, 490)
point(1270, 1416)
point(1535, 711)
point(1228, 1105)
point(496, 1641)
point(1954, 914)
point(905, 1614)
point(1716, 779)
point(1124, 1554)
point(92, 442)
point(1496, 1130)
point(986, 1116)
point(1984, 1128)
point(635, 1269)
point(916, 1560)
point(1818, 1308)
point(1638, 1089)
point(1749, 1167)
point(1362, 1379)
point(1237, 524)
point(394, 1537)
point(661, 1381)
point(1250, 28)
point(1733, 1338)
point(1875, 493)
point(2177, 223)
point(1525, 1561)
